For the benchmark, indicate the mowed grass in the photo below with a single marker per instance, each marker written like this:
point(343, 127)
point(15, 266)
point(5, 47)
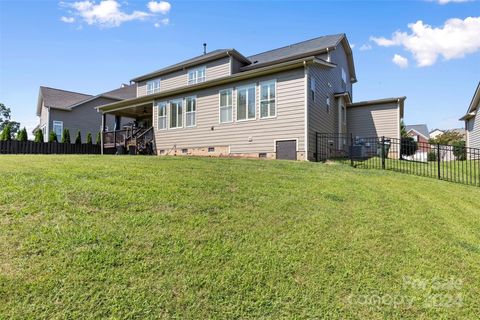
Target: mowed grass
point(197, 238)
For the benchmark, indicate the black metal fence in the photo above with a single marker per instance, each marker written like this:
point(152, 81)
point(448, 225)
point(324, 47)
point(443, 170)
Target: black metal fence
point(445, 162)
point(31, 147)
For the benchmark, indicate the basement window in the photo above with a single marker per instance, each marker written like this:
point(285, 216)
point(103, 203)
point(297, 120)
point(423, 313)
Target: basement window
point(211, 149)
point(262, 155)
point(184, 150)
point(162, 151)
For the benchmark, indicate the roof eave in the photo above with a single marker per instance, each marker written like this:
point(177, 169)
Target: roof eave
point(378, 101)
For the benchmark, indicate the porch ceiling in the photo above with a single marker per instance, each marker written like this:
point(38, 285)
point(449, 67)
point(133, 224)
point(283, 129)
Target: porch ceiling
point(136, 112)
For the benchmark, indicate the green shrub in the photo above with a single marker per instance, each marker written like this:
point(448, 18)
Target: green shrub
point(431, 156)
point(52, 137)
point(89, 138)
point(78, 139)
point(22, 135)
point(66, 136)
point(6, 133)
point(408, 146)
point(99, 140)
point(460, 150)
point(38, 136)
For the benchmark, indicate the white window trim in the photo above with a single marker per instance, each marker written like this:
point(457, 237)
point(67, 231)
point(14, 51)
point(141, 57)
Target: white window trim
point(274, 81)
point(195, 81)
point(154, 90)
point(166, 115)
point(187, 112)
point(169, 111)
point(254, 85)
point(220, 105)
point(53, 128)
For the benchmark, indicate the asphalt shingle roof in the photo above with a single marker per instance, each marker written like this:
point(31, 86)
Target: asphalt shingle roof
point(62, 99)
point(125, 92)
point(422, 128)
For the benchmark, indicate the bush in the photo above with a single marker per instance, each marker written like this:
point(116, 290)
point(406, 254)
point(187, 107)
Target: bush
point(431, 156)
point(6, 134)
point(89, 138)
point(22, 135)
point(99, 140)
point(408, 146)
point(459, 150)
point(52, 137)
point(38, 136)
point(78, 139)
point(66, 136)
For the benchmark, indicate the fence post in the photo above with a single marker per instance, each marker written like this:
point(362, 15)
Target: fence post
point(383, 152)
point(438, 162)
point(316, 146)
point(350, 150)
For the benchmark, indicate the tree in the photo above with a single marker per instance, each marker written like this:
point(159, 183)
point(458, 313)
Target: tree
point(6, 119)
point(99, 140)
point(38, 135)
point(78, 139)
point(66, 136)
point(89, 138)
point(403, 130)
point(408, 146)
point(6, 133)
point(22, 135)
point(52, 137)
point(449, 137)
point(460, 150)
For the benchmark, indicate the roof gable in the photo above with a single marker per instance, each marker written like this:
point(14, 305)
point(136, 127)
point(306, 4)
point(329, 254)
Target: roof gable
point(420, 128)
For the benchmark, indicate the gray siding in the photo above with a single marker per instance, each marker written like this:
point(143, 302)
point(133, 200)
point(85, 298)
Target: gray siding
point(250, 136)
point(473, 132)
point(328, 81)
point(236, 65)
point(374, 120)
point(84, 118)
point(214, 69)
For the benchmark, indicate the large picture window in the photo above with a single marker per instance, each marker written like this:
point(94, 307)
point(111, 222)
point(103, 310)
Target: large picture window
point(226, 109)
point(58, 128)
point(246, 103)
point(267, 99)
point(162, 115)
point(153, 86)
point(191, 111)
point(176, 112)
point(197, 75)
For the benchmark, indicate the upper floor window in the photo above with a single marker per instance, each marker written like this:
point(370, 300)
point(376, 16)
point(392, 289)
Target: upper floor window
point(344, 77)
point(267, 99)
point(328, 104)
point(162, 115)
point(312, 88)
point(191, 111)
point(176, 113)
point(246, 103)
point(153, 86)
point(196, 75)
point(226, 109)
point(58, 129)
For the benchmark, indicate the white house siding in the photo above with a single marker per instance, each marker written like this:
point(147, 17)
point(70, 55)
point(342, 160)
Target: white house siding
point(245, 137)
point(473, 135)
point(374, 120)
point(214, 69)
point(328, 81)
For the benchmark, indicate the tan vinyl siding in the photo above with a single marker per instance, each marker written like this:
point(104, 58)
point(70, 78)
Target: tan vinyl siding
point(473, 133)
point(328, 81)
point(374, 120)
point(214, 69)
point(288, 124)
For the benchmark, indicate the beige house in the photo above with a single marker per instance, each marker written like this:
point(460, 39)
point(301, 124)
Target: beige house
point(472, 121)
point(268, 105)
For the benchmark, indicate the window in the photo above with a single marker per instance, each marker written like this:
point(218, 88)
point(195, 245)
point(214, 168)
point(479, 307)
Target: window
point(246, 103)
point(184, 151)
point(267, 99)
point(162, 151)
point(58, 128)
point(196, 75)
point(153, 86)
point(312, 88)
point(226, 109)
point(211, 149)
point(190, 115)
point(162, 115)
point(328, 104)
point(176, 112)
point(344, 78)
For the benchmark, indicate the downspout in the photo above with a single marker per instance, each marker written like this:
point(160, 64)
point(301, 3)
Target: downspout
point(47, 133)
point(305, 67)
point(399, 120)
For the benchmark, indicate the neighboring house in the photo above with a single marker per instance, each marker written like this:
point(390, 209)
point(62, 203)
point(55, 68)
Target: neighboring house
point(472, 121)
point(267, 105)
point(435, 133)
point(59, 109)
point(419, 133)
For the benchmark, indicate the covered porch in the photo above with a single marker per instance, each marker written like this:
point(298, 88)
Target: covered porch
point(132, 132)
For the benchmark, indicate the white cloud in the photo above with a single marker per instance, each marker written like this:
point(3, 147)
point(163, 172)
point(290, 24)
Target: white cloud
point(163, 22)
point(454, 40)
point(107, 13)
point(365, 47)
point(448, 1)
point(352, 45)
point(400, 61)
point(68, 19)
point(162, 7)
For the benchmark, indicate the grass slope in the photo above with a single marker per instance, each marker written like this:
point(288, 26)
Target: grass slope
point(147, 237)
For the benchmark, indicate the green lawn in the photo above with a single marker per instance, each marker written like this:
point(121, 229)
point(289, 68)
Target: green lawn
point(149, 237)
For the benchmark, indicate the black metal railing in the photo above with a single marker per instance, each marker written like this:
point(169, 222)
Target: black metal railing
point(455, 163)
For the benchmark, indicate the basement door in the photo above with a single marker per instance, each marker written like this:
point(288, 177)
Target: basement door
point(286, 149)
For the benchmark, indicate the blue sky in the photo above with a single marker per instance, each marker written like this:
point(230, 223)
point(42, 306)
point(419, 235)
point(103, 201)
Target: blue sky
point(94, 49)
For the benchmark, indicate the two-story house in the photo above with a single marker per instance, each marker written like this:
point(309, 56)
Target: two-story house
point(267, 105)
point(472, 121)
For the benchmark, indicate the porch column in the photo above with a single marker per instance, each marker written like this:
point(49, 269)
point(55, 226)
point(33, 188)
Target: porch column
point(104, 117)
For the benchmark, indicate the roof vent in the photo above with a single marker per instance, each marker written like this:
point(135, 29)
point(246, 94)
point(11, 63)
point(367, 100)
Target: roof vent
point(204, 48)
